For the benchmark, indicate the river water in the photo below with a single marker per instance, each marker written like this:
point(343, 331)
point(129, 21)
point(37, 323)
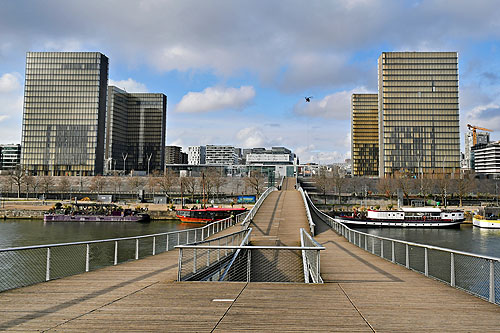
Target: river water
point(14, 233)
point(467, 238)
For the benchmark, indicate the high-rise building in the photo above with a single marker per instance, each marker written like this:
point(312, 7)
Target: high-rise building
point(418, 112)
point(364, 132)
point(10, 156)
point(173, 155)
point(64, 113)
point(221, 155)
point(196, 155)
point(482, 138)
point(135, 130)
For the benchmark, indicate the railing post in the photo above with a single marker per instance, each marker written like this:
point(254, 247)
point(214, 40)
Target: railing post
point(225, 251)
point(195, 235)
point(317, 266)
point(178, 238)
point(194, 260)
point(407, 250)
point(366, 242)
point(373, 245)
point(393, 254)
point(87, 258)
point(47, 271)
point(452, 269)
point(218, 251)
point(492, 281)
point(154, 245)
point(381, 248)
point(249, 264)
point(136, 248)
point(208, 257)
point(426, 262)
point(166, 246)
point(180, 265)
point(116, 253)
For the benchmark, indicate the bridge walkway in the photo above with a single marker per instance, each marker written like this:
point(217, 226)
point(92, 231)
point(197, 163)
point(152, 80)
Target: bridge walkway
point(280, 218)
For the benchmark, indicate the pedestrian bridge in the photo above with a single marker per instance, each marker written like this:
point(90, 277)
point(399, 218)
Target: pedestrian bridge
point(366, 283)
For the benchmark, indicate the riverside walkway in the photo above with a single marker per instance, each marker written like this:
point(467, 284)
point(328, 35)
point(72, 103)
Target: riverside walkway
point(361, 293)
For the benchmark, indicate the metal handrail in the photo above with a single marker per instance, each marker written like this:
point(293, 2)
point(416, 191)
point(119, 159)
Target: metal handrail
point(346, 232)
point(310, 265)
point(228, 267)
point(248, 218)
point(312, 225)
point(281, 183)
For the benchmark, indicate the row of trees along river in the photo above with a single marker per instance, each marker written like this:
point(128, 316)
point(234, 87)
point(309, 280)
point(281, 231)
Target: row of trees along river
point(456, 186)
point(212, 183)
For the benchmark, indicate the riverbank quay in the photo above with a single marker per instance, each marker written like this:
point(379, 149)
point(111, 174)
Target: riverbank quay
point(34, 209)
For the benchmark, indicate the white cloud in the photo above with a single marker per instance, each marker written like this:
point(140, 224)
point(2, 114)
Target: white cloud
point(251, 137)
point(216, 99)
point(3, 117)
point(336, 105)
point(63, 45)
point(9, 82)
point(129, 85)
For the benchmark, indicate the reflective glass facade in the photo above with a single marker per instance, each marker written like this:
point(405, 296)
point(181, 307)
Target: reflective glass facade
point(364, 131)
point(64, 113)
point(418, 112)
point(135, 128)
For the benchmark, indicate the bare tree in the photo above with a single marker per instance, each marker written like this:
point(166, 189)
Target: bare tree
point(117, 181)
point(46, 183)
point(404, 183)
point(255, 181)
point(339, 180)
point(153, 181)
point(32, 182)
point(215, 180)
point(442, 184)
point(135, 183)
point(64, 185)
point(166, 181)
point(462, 184)
point(97, 184)
point(323, 181)
point(387, 187)
point(17, 176)
point(190, 184)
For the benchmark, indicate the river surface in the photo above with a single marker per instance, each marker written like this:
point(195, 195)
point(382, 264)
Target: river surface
point(14, 233)
point(467, 238)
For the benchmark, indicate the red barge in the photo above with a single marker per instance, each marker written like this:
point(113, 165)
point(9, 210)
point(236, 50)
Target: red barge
point(207, 215)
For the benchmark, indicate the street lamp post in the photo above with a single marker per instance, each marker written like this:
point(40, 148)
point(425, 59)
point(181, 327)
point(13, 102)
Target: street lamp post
point(149, 159)
point(124, 156)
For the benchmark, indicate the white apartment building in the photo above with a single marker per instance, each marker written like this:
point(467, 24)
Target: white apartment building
point(196, 155)
point(487, 159)
point(224, 155)
point(269, 159)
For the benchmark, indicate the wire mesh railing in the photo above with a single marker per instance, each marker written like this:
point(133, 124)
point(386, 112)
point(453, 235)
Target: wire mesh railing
point(476, 274)
point(223, 259)
point(310, 258)
point(23, 266)
point(251, 214)
point(198, 263)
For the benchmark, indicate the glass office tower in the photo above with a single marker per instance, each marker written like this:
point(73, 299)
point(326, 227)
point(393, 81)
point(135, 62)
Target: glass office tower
point(135, 130)
point(364, 131)
point(418, 112)
point(64, 113)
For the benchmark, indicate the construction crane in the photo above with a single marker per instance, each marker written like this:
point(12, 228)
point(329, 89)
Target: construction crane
point(474, 136)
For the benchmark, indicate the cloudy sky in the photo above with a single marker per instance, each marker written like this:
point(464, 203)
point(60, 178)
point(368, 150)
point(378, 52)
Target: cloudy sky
point(236, 72)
